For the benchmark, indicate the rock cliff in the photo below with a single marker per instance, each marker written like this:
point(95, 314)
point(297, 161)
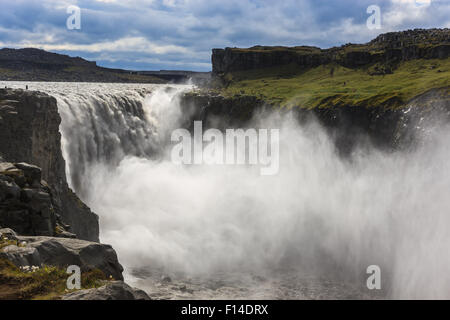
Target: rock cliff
point(35, 267)
point(26, 202)
point(29, 132)
point(60, 252)
point(44, 226)
point(386, 128)
point(387, 50)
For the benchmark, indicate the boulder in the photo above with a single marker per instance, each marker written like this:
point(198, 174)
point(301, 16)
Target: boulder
point(10, 173)
point(8, 189)
point(32, 172)
point(61, 252)
point(115, 290)
point(8, 234)
point(21, 256)
point(87, 255)
point(5, 166)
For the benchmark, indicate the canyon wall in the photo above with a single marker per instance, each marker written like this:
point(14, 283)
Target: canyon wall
point(29, 132)
point(385, 128)
point(388, 49)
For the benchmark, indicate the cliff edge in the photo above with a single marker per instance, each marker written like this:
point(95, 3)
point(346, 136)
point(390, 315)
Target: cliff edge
point(29, 132)
point(388, 71)
point(387, 49)
point(44, 226)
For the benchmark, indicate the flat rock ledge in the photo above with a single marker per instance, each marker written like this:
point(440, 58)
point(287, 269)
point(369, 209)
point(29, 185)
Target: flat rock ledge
point(114, 290)
point(62, 252)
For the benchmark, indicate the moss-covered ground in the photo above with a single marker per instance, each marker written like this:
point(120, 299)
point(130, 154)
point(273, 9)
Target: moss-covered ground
point(334, 85)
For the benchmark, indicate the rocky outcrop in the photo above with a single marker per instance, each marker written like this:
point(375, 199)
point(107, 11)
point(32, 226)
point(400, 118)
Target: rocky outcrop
point(258, 57)
point(8, 233)
point(429, 37)
point(218, 111)
point(37, 208)
point(62, 252)
point(115, 290)
point(26, 202)
point(21, 256)
point(33, 253)
point(386, 128)
point(386, 50)
point(29, 132)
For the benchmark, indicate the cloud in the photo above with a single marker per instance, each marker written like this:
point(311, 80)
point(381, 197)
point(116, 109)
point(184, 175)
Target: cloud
point(127, 44)
point(180, 33)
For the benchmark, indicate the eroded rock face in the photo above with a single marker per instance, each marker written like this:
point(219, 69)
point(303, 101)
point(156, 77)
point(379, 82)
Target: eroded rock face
point(385, 128)
point(115, 290)
point(29, 132)
point(25, 201)
point(61, 252)
point(389, 48)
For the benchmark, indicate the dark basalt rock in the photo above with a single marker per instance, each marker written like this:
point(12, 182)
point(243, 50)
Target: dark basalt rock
point(39, 251)
point(25, 204)
point(30, 133)
point(31, 172)
point(384, 127)
point(115, 290)
point(61, 252)
point(21, 256)
point(387, 49)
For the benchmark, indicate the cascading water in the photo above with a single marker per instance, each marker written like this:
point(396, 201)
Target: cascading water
point(102, 127)
point(226, 232)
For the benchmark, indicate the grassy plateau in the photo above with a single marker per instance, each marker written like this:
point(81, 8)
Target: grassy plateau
point(334, 85)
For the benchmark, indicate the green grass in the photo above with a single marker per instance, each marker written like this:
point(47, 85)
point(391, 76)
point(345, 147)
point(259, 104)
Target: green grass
point(290, 86)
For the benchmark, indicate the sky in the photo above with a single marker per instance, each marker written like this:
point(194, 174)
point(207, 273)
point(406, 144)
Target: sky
point(179, 34)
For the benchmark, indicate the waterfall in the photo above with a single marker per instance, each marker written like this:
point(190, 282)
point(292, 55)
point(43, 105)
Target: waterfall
point(321, 215)
point(103, 128)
